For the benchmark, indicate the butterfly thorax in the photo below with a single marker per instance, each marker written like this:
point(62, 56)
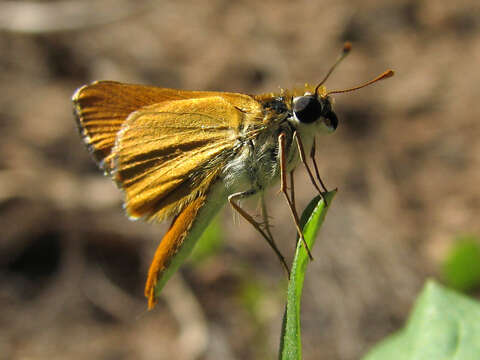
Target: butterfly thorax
point(255, 163)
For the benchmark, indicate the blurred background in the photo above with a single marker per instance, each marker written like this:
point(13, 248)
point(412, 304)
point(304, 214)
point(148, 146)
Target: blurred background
point(405, 157)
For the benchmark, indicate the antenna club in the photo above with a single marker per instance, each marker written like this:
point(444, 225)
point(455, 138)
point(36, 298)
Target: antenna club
point(347, 47)
point(388, 74)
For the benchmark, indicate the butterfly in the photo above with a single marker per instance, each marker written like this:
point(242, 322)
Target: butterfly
point(184, 154)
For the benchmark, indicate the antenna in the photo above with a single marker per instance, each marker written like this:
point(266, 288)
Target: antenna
point(385, 75)
point(346, 49)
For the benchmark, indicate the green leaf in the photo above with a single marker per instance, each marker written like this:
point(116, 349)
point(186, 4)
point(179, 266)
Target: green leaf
point(311, 220)
point(444, 325)
point(461, 268)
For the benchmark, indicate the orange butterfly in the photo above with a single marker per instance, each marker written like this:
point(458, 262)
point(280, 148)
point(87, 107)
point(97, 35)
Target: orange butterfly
point(183, 154)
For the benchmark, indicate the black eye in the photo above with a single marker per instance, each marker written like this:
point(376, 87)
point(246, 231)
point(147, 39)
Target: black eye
point(331, 120)
point(307, 109)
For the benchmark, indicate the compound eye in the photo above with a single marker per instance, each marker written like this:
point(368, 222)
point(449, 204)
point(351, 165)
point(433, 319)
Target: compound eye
point(331, 121)
point(307, 109)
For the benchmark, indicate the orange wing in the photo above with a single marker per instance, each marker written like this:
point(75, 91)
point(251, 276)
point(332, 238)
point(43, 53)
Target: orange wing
point(163, 147)
point(168, 154)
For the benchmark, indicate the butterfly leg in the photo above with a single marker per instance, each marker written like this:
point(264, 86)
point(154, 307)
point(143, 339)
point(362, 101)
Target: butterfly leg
point(312, 156)
point(283, 189)
point(266, 219)
point(292, 189)
point(232, 199)
point(301, 153)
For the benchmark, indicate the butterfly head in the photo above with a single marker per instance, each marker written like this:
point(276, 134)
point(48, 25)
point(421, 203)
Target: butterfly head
point(316, 108)
point(311, 108)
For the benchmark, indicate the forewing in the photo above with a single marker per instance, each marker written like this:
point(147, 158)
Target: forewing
point(168, 154)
